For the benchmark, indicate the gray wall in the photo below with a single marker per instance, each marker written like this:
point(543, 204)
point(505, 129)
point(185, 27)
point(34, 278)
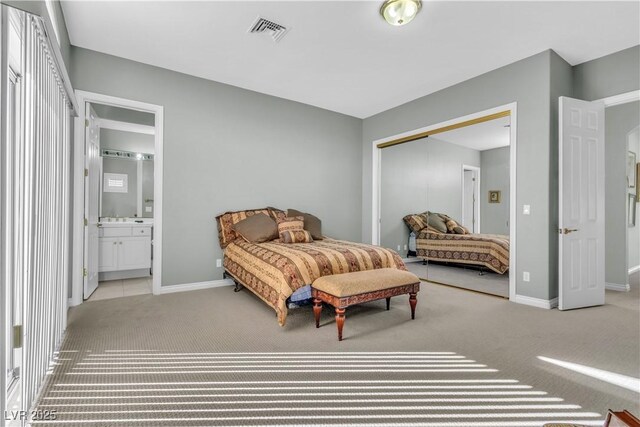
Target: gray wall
point(127, 141)
point(494, 175)
point(560, 84)
point(526, 82)
point(418, 176)
point(121, 204)
point(227, 148)
point(610, 75)
point(619, 121)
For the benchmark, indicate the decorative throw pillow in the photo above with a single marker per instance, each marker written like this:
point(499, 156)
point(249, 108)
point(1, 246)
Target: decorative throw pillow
point(296, 236)
point(436, 221)
point(311, 223)
point(257, 228)
point(454, 227)
point(290, 224)
point(276, 213)
point(226, 221)
point(415, 222)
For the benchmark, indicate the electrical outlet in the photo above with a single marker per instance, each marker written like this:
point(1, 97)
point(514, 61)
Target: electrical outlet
point(405, 247)
point(148, 208)
point(218, 263)
point(526, 210)
point(525, 276)
point(398, 247)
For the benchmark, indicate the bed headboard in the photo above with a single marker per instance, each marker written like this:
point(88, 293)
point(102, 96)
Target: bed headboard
point(226, 221)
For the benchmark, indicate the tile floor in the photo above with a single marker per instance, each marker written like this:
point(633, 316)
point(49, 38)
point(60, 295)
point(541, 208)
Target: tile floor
point(122, 288)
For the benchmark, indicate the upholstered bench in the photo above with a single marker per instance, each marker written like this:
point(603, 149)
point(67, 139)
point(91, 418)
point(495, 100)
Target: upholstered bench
point(343, 290)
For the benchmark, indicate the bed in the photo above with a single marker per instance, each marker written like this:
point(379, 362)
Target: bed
point(487, 250)
point(441, 238)
point(274, 271)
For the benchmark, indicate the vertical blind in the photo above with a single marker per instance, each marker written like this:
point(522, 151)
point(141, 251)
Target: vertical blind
point(37, 205)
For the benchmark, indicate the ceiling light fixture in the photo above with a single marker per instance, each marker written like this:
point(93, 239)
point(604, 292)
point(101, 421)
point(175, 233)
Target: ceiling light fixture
point(400, 12)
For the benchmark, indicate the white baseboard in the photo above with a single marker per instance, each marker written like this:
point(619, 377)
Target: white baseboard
point(412, 259)
point(617, 287)
point(195, 286)
point(537, 302)
point(634, 269)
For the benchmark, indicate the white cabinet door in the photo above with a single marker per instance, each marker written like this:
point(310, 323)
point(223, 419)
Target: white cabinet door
point(134, 253)
point(108, 259)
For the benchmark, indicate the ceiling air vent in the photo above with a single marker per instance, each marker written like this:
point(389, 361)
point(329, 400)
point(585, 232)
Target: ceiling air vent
point(264, 26)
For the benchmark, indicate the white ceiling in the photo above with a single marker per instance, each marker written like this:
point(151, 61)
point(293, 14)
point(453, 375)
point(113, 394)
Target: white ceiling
point(341, 55)
point(482, 136)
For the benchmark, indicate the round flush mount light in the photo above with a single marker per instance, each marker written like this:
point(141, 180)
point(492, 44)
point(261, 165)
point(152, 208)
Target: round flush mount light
point(400, 12)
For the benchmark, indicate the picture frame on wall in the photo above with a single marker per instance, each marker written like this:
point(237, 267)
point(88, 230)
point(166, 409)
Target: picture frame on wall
point(494, 196)
point(631, 210)
point(632, 175)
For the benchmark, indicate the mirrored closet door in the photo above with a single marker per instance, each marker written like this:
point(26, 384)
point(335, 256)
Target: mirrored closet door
point(444, 205)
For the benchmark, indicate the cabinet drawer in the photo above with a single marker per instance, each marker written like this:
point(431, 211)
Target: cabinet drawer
point(141, 231)
point(115, 232)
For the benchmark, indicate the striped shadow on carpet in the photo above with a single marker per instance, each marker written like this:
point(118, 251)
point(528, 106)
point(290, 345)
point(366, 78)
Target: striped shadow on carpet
point(156, 388)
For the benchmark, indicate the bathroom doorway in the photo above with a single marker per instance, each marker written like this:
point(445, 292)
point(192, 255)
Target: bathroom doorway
point(121, 187)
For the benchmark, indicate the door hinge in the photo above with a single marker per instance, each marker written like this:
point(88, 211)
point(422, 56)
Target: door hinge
point(86, 172)
point(17, 336)
point(86, 222)
point(84, 272)
point(15, 373)
point(86, 123)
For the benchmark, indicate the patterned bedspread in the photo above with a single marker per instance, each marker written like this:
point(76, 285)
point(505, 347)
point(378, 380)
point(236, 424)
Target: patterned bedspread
point(489, 250)
point(273, 270)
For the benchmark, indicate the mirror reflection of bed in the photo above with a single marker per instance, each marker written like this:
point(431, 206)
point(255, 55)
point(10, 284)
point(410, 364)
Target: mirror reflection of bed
point(444, 206)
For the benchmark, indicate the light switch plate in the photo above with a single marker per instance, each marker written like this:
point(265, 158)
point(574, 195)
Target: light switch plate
point(526, 210)
point(218, 263)
point(525, 276)
point(148, 208)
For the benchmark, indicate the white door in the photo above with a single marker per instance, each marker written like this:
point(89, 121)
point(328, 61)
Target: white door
point(470, 198)
point(91, 197)
point(581, 210)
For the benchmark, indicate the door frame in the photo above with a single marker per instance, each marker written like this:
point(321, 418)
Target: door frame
point(78, 186)
point(511, 110)
point(476, 193)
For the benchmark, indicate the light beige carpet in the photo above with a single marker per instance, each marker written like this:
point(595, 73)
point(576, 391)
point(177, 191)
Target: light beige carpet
point(215, 357)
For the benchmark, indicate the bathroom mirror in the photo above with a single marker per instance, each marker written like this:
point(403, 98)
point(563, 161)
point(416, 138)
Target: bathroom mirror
point(127, 146)
point(127, 184)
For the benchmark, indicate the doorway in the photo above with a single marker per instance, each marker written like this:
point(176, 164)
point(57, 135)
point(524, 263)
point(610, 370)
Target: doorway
point(118, 177)
point(471, 198)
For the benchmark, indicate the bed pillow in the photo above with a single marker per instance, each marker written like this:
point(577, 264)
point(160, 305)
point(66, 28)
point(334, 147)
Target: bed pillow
point(290, 224)
point(276, 213)
point(311, 223)
point(257, 228)
point(226, 221)
point(415, 222)
point(454, 227)
point(295, 236)
point(436, 221)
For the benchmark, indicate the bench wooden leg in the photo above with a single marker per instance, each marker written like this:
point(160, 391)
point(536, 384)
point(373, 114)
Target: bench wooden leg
point(413, 300)
point(340, 321)
point(388, 303)
point(317, 309)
